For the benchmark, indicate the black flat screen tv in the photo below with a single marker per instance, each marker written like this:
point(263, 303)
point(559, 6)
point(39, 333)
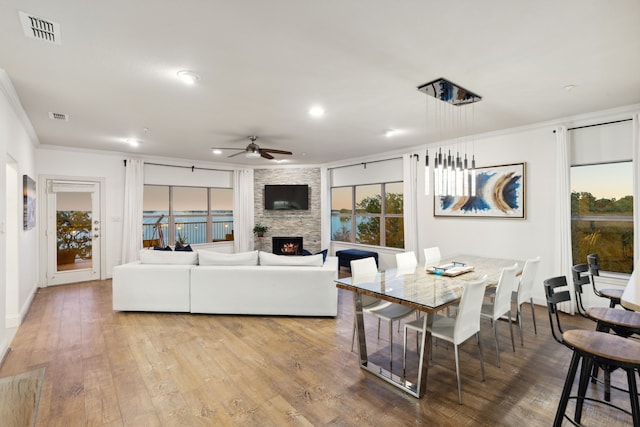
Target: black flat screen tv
point(286, 197)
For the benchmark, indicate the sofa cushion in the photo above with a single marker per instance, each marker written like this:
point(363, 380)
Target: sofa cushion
point(267, 258)
point(219, 258)
point(167, 257)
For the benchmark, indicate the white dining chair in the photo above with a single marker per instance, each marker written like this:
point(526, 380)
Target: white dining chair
point(524, 293)
point(431, 257)
point(362, 271)
point(456, 330)
point(406, 263)
point(501, 305)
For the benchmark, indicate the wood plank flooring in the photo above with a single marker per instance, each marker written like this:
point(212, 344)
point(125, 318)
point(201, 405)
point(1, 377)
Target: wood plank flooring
point(106, 368)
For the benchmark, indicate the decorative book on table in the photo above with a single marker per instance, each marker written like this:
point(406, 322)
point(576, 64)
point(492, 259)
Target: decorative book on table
point(451, 269)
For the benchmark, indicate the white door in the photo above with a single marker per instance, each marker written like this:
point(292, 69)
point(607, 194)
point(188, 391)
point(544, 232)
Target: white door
point(73, 231)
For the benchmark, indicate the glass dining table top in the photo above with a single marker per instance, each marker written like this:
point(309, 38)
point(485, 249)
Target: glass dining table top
point(424, 290)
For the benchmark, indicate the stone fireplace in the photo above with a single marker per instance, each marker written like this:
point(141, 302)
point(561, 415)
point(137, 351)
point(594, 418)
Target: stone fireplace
point(286, 245)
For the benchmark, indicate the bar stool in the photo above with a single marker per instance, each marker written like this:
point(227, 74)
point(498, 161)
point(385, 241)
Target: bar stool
point(591, 347)
point(613, 295)
point(622, 322)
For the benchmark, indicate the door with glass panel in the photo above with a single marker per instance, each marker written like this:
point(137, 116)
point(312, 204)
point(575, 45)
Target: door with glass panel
point(73, 231)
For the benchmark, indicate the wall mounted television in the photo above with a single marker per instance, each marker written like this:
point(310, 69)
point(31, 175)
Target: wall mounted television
point(286, 197)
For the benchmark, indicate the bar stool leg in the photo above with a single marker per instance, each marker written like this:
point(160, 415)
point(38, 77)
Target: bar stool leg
point(633, 396)
point(566, 390)
point(585, 371)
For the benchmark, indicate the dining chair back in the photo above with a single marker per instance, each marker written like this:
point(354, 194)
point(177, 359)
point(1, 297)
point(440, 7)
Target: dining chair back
point(468, 319)
point(363, 270)
point(432, 257)
point(524, 293)
point(406, 262)
point(501, 305)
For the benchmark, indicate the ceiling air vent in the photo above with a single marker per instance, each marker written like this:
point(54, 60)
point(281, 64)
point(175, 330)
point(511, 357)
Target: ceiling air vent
point(59, 116)
point(41, 29)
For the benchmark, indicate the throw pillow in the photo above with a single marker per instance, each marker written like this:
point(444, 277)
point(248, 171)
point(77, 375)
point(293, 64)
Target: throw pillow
point(168, 257)
point(160, 248)
point(219, 258)
point(324, 253)
point(306, 252)
point(181, 247)
point(291, 260)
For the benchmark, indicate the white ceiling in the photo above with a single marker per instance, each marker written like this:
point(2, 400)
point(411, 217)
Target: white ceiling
point(263, 64)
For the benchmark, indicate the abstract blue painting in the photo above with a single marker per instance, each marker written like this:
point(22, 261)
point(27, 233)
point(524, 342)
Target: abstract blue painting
point(500, 193)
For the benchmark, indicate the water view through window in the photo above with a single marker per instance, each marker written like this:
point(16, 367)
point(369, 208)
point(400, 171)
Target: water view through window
point(602, 215)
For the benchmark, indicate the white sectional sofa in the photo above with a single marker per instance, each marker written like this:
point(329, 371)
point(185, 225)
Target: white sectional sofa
point(216, 283)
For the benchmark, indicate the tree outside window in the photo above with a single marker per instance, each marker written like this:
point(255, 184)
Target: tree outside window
point(376, 223)
point(602, 215)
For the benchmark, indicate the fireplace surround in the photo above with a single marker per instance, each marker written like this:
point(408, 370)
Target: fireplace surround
point(286, 245)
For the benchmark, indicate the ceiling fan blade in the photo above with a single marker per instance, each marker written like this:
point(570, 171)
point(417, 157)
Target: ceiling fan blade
point(227, 148)
point(271, 150)
point(237, 154)
point(266, 155)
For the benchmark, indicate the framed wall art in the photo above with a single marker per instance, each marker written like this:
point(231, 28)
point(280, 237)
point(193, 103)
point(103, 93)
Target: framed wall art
point(500, 192)
point(29, 197)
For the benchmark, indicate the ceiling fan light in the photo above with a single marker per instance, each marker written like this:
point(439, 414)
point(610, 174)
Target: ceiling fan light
point(188, 77)
point(252, 154)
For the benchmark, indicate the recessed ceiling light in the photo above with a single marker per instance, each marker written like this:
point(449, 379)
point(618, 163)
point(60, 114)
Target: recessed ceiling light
point(569, 88)
point(217, 151)
point(132, 142)
point(316, 111)
point(188, 77)
point(391, 132)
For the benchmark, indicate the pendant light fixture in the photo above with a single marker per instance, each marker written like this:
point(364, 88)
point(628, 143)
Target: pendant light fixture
point(451, 175)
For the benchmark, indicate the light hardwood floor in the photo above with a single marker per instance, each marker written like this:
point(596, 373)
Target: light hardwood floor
point(146, 369)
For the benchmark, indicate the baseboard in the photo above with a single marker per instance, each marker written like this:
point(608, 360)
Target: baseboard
point(27, 304)
point(4, 350)
point(12, 321)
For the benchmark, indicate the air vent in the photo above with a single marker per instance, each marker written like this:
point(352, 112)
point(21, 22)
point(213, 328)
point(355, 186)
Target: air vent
point(39, 28)
point(59, 116)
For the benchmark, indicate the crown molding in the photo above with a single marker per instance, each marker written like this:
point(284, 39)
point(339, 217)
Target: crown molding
point(9, 91)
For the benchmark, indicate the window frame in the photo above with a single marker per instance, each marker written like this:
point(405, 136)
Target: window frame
point(354, 214)
point(171, 227)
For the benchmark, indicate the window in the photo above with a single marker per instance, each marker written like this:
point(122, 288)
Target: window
point(187, 215)
point(359, 215)
point(602, 214)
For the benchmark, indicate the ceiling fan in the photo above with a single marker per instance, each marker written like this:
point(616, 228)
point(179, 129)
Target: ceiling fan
point(253, 150)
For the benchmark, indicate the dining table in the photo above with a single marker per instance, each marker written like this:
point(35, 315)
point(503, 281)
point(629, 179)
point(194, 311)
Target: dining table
point(427, 290)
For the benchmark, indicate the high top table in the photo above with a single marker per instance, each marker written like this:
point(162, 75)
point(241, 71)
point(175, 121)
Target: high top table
point(422, 291)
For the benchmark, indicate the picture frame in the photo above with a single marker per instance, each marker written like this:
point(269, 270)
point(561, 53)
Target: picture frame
point(500, 193)
point(29, 202)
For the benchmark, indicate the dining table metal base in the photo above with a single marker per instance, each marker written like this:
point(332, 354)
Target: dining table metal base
point(415, 389)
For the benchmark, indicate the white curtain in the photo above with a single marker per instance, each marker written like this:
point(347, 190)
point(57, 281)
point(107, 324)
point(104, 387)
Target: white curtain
point(636, 188)
point(132, 216)
point(243, 220)
point(325, 208)
point(564, 259)
point(410, 171)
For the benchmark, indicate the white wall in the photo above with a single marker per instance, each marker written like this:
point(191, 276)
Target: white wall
point(61, 163)
point(17, 142)
point(497, 237)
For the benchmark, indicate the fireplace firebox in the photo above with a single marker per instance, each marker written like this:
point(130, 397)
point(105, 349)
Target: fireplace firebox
point(287, 245)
